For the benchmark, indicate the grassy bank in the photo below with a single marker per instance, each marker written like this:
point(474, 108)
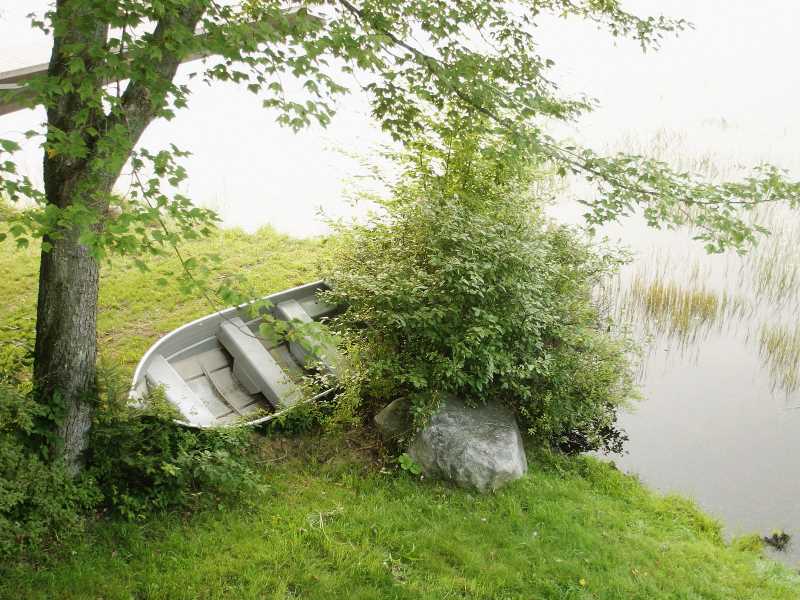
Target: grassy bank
point(333, 525)
point(338, 521)
point(134, 309)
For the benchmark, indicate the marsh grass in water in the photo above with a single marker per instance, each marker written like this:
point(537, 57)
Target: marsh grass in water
point(772, 270)
point(681, 311)
point(670, 300)
point(676, 294)
point(779, 346)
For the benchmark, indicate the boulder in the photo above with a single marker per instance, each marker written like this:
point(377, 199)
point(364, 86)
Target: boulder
point(478, 448)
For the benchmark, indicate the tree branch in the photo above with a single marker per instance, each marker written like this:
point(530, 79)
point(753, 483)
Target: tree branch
point(138, 106)
point(571, 158)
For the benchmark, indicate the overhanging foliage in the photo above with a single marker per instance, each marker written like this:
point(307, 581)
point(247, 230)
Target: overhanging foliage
point(422, 58)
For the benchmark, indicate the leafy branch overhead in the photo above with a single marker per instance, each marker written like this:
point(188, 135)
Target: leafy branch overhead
point(424, 64)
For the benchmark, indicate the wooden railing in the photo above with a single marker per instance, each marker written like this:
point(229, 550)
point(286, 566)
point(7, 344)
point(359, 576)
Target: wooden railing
point(14, 95)
point(12, 87)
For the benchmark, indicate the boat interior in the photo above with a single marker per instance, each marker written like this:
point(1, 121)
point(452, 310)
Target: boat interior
point(218, 370)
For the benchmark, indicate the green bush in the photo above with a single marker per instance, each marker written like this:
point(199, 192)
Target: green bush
point(144, 462)
point(139, 462)
point(39, 501)
point(460, 285)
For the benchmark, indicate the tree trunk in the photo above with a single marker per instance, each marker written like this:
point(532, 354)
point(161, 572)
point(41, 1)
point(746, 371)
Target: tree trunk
point(64, 364)
point(66, 342)
point(66, 339)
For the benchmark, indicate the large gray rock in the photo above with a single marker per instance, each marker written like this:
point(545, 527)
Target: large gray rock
point(477, 448)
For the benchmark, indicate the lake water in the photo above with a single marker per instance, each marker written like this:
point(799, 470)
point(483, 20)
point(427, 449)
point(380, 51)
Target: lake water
point(720, 417)
point(721, 411)
point(720, 421)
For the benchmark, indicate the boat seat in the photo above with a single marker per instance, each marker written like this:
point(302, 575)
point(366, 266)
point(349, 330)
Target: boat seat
point(177, 392)
point(316, 308)
point(327, 356)
point(253, 365)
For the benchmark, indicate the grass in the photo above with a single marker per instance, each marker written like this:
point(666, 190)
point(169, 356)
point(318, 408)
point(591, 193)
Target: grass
point(335, 525)
point(780, 351)
point(673, 300)
point(774, 267)
point(680, 309)
point(338, 521)
point(683, 297)
point(134, 309)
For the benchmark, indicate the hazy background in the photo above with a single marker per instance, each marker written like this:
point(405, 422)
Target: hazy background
point(727, 86)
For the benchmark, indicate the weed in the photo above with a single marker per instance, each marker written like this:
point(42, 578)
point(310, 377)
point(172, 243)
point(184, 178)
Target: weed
point(408, 464)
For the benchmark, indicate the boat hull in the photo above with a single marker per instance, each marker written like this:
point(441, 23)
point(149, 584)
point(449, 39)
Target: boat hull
point(203, 379)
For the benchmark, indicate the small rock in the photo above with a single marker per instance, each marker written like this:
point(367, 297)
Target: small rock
point(778, 540)
point(478, 448)
point(394, 421)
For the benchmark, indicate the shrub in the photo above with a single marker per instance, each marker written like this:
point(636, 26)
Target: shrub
point(39, 501)
point(144, 462)
point(460, 285)
point(139, 461)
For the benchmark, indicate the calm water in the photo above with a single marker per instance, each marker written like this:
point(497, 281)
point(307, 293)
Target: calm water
point(718, 422)
point(721, 413)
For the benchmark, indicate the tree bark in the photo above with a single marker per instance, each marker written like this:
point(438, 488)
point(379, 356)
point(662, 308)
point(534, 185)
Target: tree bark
point(66, 342)
point(66, 315)
point(66, 337)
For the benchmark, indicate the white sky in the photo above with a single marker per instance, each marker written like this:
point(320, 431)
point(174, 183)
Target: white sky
point(736, 65)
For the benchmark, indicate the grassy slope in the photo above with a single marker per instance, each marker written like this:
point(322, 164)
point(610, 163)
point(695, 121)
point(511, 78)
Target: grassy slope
point(333, 525)
point(134, 310)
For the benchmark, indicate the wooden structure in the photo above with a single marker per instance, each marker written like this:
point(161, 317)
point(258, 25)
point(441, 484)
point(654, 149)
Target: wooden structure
point(12, 86)
point(13, 96)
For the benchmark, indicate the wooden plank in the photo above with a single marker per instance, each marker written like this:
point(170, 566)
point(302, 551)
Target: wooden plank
point(24, 74)
point(7, 105)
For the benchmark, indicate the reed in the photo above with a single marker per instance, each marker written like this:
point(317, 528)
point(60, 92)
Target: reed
point(779, 347)
point(674, 292)
point(772, 269)
point(674, 309)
